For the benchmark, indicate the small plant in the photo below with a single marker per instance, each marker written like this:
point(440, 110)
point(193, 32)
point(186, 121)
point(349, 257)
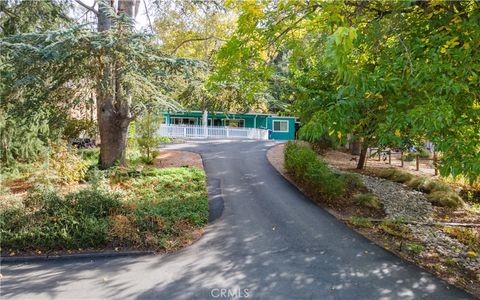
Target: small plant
point(361, 221)
point(367, 200)
point(67, 165)
point(147, 137)
point(394, 175)
point(95, 202)
point(123, 231)
point(43, 197)
point(435, 186)
point(353, 181)
point(98, 179)
point(396, 228)
point(466, 236)
point(416, 182)
point(415, 248)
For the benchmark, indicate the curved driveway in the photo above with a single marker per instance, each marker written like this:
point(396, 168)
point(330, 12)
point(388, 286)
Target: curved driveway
point(269, 242)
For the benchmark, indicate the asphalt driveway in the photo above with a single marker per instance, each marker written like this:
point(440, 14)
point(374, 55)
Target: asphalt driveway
point(266, 240)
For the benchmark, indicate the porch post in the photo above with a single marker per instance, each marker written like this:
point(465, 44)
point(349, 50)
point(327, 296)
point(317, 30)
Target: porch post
point(205, 122)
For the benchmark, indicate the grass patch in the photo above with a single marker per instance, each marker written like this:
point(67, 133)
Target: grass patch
point(367, 200)
point(157, 209)
point(396, 228)
point(394, 175)
point(448, 199)
point(361, 222)
point(415, 248)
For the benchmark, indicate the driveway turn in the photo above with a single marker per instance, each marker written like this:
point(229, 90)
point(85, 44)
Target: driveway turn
point(266, 240)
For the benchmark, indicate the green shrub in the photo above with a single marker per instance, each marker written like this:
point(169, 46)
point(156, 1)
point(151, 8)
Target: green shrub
point(298, 158)
point(367, 200)
point(12, 218)
point(320, 177)
point(303, 164)
point(146, 129)
point(445, 199)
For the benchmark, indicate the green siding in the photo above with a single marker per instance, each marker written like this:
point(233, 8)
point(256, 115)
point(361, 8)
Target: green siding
point(251, 121)
point(289, 135)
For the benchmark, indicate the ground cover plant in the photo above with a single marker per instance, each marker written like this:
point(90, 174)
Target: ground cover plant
point(139, 207)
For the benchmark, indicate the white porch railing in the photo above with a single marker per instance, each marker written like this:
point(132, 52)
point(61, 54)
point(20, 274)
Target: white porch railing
point(217, 132)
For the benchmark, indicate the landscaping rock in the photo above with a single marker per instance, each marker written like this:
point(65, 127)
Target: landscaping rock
point(401, 202)
point(398, 201)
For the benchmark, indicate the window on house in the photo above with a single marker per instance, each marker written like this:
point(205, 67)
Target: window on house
point(280, 125)
point(183, 121)
point(216, 122)
point(235, 123)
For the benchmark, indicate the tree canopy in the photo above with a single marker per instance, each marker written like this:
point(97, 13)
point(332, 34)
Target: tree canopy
point(389, 74)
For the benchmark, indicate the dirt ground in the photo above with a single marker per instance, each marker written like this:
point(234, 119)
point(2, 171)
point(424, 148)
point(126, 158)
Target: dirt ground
point(275, 156)
point(175, 158)
point(344, 161)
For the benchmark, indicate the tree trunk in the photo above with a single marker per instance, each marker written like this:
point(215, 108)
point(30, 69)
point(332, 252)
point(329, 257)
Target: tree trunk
point(355, 147)
point(363, 156)
point(113, 112)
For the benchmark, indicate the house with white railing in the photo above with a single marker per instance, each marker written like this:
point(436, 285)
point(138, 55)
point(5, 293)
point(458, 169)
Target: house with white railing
point(228, 125)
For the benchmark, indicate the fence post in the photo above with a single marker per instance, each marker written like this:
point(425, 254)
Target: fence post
point(418, 162)
point(435, 162)
point(228, 132)
point(401, 159)
point(184, 131)
point(389, 157)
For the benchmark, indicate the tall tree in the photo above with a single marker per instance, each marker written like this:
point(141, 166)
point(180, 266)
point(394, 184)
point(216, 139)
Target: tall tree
point(113, 97)
point(389, 73)
point(127, 70)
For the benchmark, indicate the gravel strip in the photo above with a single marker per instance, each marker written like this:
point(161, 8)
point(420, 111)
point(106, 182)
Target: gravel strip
point(402, 202)
point(398, 201)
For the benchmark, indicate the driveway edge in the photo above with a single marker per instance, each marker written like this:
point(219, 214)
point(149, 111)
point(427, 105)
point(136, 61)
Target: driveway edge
point(88, 255)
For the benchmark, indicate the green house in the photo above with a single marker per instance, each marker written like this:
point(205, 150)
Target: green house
point(279, 127)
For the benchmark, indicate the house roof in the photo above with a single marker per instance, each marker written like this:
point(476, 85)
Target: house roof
point(231, 113)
